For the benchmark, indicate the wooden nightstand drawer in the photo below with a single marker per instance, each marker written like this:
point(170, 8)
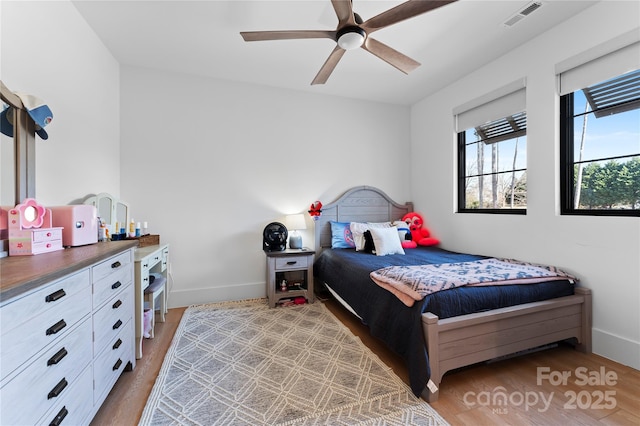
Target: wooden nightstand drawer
point(292, 269)
point(292, 262)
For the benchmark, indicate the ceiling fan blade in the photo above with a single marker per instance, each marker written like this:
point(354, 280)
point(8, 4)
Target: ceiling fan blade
point(403, 11)
point(329, 65)
point(286, 35)
point(344, 12)
point(390, 56)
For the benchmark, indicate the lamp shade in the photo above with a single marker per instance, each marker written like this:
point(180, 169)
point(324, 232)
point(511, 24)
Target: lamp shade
point(296, 222)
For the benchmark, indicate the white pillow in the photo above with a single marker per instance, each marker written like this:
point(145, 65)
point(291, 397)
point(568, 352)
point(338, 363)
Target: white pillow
point(386, 241)
point(358, 229)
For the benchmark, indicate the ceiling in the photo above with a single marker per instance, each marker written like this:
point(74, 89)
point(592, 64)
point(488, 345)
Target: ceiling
point(202, 38)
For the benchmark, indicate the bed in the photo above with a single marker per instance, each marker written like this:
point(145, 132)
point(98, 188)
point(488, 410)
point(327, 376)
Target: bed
point(449, 329)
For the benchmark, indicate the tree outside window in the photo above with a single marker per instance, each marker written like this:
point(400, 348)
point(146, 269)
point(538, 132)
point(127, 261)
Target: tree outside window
point(600, 142)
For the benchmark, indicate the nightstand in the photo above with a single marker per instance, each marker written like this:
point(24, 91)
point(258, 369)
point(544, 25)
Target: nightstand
point(295, 267)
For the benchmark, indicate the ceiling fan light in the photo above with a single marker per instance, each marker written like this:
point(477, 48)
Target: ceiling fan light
point(351, 38)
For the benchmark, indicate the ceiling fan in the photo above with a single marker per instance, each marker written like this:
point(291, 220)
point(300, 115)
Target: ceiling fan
point(352, 32)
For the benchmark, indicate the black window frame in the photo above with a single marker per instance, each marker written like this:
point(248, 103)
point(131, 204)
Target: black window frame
point(462, 161)
point(567, 187)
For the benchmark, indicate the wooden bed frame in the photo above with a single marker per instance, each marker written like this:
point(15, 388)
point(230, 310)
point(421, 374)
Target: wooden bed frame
point(468, 339)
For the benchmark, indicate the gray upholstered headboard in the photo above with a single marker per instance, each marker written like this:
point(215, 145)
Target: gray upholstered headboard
point(359, 204)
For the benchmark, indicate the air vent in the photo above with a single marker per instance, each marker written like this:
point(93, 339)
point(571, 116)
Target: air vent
point(523, 13)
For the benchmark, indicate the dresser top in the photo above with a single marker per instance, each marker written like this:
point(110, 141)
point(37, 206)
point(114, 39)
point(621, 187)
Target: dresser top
point(20, 274)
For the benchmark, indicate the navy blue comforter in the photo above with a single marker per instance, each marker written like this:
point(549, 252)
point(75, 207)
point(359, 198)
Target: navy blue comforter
point(398, 326)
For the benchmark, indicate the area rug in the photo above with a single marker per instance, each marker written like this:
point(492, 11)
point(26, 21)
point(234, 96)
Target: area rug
point(242, 363)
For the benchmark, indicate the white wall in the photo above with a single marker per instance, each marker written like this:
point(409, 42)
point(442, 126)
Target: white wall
point(603, 251)
point(210, 163)
point(48, 50)
point(223, 150)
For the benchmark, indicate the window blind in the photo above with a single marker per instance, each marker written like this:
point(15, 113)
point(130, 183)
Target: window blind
point(618, 62)
point(500, 103)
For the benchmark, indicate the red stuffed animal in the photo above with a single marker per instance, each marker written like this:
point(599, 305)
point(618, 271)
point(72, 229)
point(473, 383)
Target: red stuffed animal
point(420, 235)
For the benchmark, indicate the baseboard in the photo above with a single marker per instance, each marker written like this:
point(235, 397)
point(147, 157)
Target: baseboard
point(616, 348)
point(181, 298)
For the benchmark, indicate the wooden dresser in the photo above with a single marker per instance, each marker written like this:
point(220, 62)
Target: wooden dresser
point(67, 331)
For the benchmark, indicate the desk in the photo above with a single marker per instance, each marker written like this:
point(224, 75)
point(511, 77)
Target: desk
point(147, 260)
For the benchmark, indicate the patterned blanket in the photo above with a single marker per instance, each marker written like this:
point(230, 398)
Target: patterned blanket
point(412, 283)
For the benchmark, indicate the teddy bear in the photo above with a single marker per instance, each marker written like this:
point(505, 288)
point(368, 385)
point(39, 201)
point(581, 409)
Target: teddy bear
point(420, 235)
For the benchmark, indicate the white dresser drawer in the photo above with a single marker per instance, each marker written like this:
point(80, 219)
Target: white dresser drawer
point(17, 312)
point(291, 262)
point(111, 362)
point(25, 340)
point(76, 406)
point(111, 265)
point(39, 387)
point(111, 285)
point(111, 318)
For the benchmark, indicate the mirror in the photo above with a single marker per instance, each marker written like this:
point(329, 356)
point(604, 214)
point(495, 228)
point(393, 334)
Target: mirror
point(30, 214)
point(110, 210)
point(105, 208)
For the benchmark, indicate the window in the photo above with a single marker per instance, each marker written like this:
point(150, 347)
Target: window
point(492, 156)
point(600, 146)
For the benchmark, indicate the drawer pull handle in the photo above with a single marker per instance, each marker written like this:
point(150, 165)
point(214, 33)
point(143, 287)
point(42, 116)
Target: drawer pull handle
point(117, 344)
point(115, 265)
point(56, 327)
point(57, 420)
point(57, 390)
point(116, 285)
point(117, 325)
point(292, 262)
point(117, 364)
point(57, 357)
point(55, 296)
point(117, 304)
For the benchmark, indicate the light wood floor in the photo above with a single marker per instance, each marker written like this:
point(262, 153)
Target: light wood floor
point(466, 395)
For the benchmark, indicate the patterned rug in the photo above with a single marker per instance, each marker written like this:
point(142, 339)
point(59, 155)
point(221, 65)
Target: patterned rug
point(241, 363)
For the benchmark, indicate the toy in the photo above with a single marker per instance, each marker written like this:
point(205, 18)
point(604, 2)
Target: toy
point(420, 235)
point(315, 210)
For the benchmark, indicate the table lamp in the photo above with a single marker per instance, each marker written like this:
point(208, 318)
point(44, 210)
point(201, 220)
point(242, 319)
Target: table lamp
point(295, 222)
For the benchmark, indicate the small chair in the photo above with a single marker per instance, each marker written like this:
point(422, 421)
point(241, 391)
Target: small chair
point(156, 289)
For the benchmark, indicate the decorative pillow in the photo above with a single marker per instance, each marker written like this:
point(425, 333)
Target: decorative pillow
point(341, 235)
point(386, 241)
point(404, 233)
point(369, 246)
point(358, 228)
